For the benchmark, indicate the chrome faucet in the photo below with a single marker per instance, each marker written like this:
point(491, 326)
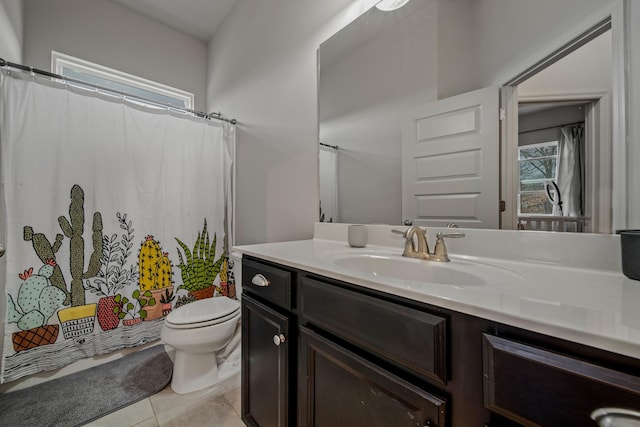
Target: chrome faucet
point(439, 253)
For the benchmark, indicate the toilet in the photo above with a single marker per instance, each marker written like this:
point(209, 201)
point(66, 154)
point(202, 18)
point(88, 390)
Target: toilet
point(198, 332)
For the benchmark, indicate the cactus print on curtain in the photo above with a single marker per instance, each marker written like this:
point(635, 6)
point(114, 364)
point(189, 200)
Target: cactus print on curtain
point(115, 215)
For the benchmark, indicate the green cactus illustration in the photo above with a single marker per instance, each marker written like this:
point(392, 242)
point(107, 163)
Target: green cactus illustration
point(74, 229)
point(156, 271)
point(37, 300)
point(46, 251)
point(201, 268)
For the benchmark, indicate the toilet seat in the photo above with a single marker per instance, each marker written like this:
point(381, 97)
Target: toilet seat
point(201, 313)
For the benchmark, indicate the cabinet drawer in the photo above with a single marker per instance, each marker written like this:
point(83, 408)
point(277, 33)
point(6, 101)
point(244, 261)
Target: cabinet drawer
point(276, 286)
point(536, 387)
point(343, 389)
point(403, 336)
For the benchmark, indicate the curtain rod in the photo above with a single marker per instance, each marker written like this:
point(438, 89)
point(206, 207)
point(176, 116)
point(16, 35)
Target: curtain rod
point(335, 147)
point(552, 127)
point(217, 116)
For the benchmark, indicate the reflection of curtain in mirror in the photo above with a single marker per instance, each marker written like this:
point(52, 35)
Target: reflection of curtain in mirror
point(571, 170)
point(328, 184)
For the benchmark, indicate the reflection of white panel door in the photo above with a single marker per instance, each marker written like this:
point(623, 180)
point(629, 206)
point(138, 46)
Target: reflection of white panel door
point(450, 162)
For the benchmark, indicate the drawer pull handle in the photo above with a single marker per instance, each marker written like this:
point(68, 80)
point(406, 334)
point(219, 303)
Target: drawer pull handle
point(613, 417)
point(260, 280)
point(279, 339)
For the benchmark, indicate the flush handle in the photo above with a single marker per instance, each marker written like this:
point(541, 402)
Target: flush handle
point(279, 339)
point(260, 280)
point(1, 250)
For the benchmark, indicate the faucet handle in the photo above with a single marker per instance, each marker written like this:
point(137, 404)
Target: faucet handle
point(409, 245)
point(440, 251)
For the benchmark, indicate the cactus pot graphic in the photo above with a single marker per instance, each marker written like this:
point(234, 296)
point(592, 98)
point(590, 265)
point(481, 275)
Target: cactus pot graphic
point(107, 318)
point(155, 311)
point(203, 293)
point(166, 308)
point(131, 322)
point(42, 335)
point(77, 321)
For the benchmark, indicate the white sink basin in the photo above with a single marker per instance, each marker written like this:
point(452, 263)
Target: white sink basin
point(459, 272)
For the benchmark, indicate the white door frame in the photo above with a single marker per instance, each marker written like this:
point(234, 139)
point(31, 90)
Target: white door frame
point(613, 16)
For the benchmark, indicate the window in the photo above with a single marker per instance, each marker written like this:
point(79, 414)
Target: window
point(118, 81)
point(538, 165)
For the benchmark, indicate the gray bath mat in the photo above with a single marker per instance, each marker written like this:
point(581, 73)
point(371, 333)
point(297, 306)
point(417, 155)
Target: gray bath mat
point(79, 398)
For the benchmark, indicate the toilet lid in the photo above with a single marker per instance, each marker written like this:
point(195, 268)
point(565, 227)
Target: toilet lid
point(204, 310)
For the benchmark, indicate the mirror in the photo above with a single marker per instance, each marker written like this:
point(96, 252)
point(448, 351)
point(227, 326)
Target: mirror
point(379, 68)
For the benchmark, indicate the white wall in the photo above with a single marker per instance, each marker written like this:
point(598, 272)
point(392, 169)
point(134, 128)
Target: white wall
point(455, 48)
point(11, 30)
point(108, 34)
point(262, 71)
point(508, 33)
point(565, 77)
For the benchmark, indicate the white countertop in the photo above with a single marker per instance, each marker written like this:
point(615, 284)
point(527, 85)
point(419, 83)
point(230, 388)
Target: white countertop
point(595, 307)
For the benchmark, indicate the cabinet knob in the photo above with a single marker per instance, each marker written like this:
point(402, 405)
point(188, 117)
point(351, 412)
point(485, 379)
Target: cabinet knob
point(616, 417)
point(260, 280)
point(279, 339)
point(1, 250)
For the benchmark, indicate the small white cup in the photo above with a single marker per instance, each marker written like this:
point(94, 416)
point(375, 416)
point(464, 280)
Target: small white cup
point(357, 235)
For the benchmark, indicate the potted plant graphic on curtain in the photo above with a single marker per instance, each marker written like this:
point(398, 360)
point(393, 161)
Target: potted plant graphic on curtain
point(37, 301)
point(165, 299)
point(156, 274)
point(198, 267)
point(80, 317)
point(113, 274)
point(134, 307)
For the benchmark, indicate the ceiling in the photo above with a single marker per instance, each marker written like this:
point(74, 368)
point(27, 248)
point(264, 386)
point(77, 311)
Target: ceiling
point(197, 18)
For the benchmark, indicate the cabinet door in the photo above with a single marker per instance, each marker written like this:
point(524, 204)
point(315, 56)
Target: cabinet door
point(340, 388)
point(265, 365)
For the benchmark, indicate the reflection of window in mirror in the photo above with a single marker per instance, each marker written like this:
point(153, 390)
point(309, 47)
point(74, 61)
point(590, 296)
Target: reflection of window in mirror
point(538, 167)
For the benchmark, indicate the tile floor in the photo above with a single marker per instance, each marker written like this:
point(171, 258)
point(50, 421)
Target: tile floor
point(217, 406)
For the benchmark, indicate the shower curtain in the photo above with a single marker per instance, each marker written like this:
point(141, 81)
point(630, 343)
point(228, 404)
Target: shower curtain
point(328, 184)
point(112, 214)
point(571, 170)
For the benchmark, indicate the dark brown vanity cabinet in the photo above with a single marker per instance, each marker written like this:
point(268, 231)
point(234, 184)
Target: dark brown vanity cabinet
point(268, 346)
point(318, 352)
